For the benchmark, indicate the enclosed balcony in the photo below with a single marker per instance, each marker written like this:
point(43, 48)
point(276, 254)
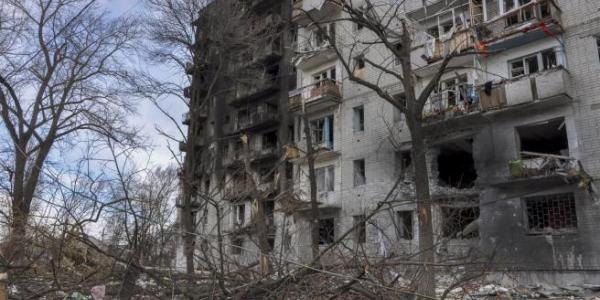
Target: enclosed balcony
point(317, 96)
point(524, 23)
point(256, 117)
point(533, 91)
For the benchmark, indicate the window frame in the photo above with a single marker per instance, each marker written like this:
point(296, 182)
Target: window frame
point(358, 118)
point(555, 231)
point(328, 179)
point(330, 237)
point(539, 55)
point(362, 165)
point(403, 232)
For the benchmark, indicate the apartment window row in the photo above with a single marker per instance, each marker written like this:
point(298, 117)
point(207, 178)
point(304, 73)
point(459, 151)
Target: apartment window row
point(550, 213)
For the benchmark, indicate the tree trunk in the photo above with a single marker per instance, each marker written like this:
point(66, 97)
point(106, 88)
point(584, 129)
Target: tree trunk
point(426, 284)
point(314, 205)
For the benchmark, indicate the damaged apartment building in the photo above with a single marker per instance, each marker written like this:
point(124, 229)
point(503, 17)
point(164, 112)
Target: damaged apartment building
point(513, 131)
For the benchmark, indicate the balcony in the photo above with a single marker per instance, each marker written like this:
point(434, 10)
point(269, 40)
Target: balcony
point(437, 48)
point(260, 117)
point(524, 24)
point(535, 91)
point(534, 164)
point(328, 202)
point(261, 87)
point(317, 96)
point(317, 9)
point(312, 54)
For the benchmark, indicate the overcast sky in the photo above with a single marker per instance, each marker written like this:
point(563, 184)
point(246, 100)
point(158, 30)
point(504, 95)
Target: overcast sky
point(148, 116)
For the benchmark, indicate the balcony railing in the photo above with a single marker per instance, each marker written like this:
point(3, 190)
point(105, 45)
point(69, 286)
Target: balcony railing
point(325, 90)
point(552, 84)
point(534, 164)
point(256, 118)
point(263, 84)
point(505, 30)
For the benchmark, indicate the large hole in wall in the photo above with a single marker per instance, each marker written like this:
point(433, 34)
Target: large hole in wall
point(548, 137)
point(456, 167)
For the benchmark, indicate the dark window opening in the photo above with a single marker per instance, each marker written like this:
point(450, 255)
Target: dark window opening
point(545, 9)
point(269, 140)
point(359, 62)
point(270, 243)
point(460, 222)
point(549, 137)
point(456, 167)
point(326, 231)
point(434, 31)
point(549, 59)
point(207, 186)
point(359, 172)
point(405, 224)
point(598, 46)
point(551, 213)
point(360, 229)
point(270, 212)
point(358, 119)
point(237, 244)
point(403, 163)
point(532, 64)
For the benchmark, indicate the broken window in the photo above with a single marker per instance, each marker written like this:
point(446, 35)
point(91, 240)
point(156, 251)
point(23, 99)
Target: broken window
point(270, 243)
point(326, 231)
point(456, 167)
point(403, 163)
point(551, 213)
point(405, 224)
point(358, 119)
point(548, 137)
point(460, 222)
point(359, 172)
point(549, 59)
point(325, 179)
point(534, 63)
point(434, 31)
point(453, 90)
point(322, 132)
point(360, 228)
point(237, 245)
point(240, 214)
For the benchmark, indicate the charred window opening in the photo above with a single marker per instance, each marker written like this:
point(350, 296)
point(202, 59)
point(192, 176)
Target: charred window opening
point(551, 213)
point(549, 137)
point(326, 231)
point(456, 167)
point(405, 224)
point(270, 212)
point(460, 222)
point(360, 231)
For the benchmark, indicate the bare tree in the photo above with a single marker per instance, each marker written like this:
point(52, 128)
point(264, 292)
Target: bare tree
point(63, 74)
